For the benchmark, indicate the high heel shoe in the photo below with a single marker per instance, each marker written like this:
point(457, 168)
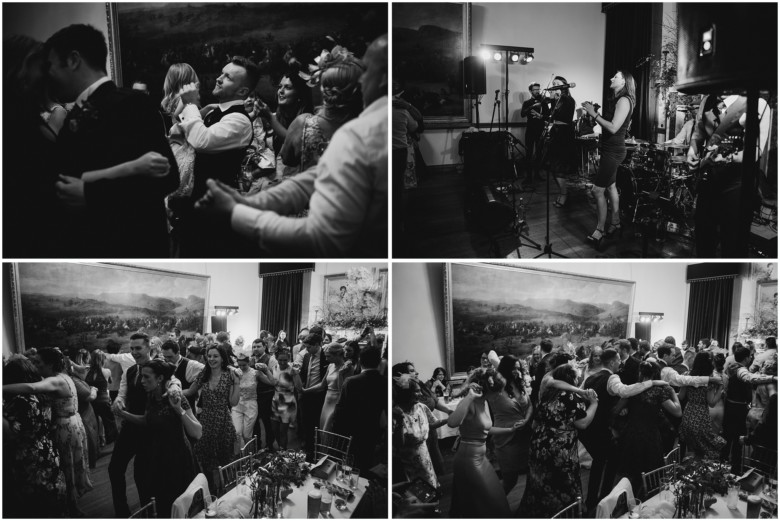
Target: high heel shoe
point(614, 227)
point(596, 241)
point(560, 204)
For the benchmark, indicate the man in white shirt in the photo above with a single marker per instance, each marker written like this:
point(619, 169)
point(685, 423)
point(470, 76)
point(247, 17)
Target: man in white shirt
point(220, 140)
point(769, 353)
point(665, 357)
point(346, 192)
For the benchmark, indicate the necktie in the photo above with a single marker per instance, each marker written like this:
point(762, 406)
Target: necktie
point(137, 375)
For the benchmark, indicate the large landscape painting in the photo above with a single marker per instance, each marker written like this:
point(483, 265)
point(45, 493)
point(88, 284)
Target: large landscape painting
point(148, 37)
point(71, 305)
point(511, 309)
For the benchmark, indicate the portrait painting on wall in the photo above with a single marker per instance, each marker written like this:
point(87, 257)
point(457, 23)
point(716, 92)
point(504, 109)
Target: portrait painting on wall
point(510, 309)
point(766, 301)
point(75, 305)
point(356, 299)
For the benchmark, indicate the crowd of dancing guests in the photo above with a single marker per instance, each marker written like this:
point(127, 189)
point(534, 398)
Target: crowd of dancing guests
point(617, 408)
point(182, 406)
point(92, 148)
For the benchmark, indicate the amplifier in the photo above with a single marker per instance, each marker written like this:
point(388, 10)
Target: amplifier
point(485, 156)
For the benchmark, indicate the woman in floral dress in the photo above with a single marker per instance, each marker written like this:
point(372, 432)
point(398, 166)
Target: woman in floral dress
point(33, 484)
point(70, 437)
point(286, 379)
point(553, 464)
point(219, 388)
point(411, 421)
point(696, 429)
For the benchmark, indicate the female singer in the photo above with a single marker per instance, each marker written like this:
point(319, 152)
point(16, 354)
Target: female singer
point(616, 119)
point(561, 156)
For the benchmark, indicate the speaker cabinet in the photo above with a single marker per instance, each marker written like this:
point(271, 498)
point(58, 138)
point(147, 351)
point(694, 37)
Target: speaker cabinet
point(473, 76)
point(642, 331)
point(484, 156)
point(218, 324)
point(726, 46)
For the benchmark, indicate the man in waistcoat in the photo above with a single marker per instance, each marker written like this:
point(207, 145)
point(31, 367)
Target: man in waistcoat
point(220, 140)
point(265, 394)
point(186, 370)
point(132, 438)
point(312, 398)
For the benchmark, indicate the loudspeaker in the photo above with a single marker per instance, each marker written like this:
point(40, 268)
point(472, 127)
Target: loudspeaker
point(726, 46)
point(473, 76)
point(484, 156)
point(642, 331)
point(218, 324)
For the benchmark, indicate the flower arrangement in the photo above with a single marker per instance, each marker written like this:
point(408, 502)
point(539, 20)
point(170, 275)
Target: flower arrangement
point(270, 474)
point(696, 482)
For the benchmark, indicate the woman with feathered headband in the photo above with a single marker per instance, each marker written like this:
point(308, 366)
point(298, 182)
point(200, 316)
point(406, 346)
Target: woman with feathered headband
point(336, 73)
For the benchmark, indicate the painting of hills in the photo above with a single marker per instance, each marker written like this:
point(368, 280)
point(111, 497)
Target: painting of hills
point(73, 305)
point(511, 309)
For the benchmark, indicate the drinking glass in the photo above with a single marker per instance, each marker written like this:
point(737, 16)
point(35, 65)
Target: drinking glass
point(347, 468)
point(241, 483)
point(732, 497)
point(353, 478)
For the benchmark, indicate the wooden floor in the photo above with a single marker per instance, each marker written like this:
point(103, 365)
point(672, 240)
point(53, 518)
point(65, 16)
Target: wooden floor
point(97, 503)
point(440, 223)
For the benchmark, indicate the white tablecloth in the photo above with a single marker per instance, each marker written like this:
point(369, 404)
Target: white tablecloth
point(445, 431)
point(718, 510)
point(295, 506)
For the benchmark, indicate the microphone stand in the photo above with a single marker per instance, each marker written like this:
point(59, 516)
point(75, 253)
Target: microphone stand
point(496, 104)
point(548, 249)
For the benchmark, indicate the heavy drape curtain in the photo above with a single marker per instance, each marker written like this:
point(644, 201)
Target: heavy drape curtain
point(628, 42)
point(281, 302)
point(709, 309)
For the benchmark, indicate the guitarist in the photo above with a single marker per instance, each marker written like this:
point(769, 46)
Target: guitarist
point(721, 121)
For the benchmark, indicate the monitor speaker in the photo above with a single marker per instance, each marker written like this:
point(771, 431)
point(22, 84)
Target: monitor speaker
point(726, 46)
point(473, 76)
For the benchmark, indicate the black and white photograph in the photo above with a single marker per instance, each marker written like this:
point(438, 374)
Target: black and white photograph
point(195, 130)
point(583, 390)
point(192, 390)
point(584, 130)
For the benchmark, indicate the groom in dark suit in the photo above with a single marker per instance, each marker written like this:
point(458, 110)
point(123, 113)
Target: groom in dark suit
point(113, 218)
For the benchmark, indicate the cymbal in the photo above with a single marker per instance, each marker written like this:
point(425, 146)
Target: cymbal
point(635, 141)
point(675, 146)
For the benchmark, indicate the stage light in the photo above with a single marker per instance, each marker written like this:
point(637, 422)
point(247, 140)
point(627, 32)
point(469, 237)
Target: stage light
point(485, 54)
point(514, 57)
point(497, 56)
point(529, 57)
point(646, 316)
point(223, 311)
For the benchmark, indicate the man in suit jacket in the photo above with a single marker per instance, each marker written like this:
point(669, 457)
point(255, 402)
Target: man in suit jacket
point(313, 371)
point(629, 366)
point(117, 217)
point(546, 345)
point(359, 409)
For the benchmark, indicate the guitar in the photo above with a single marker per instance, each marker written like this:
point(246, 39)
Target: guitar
point(726, 147)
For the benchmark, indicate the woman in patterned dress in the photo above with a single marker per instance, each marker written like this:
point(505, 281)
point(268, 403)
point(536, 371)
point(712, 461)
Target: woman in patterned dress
point(219, 388)
point(696, 429)
point(411, 421)
point(640, 447)
point(553, 463)
point(34, 485)
point(286, 379)
point(69, 434)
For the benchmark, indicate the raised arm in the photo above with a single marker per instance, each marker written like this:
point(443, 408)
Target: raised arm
point(150, 164)
point(47, 385)
point(456, 418)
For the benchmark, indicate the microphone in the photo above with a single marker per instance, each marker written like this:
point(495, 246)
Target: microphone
point(564, 86)
point(497, 91)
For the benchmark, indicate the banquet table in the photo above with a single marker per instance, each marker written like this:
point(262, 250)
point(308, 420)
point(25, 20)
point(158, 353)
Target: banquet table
point(446, 431)
point(295, 506)
point(718, 510)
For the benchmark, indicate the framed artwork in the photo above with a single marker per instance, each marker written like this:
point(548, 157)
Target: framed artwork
point(355, 299)
point(75, 305)
point(764, 271)
point(430, 41)
point(766, 301)
point(146, 38)
point(509, 309)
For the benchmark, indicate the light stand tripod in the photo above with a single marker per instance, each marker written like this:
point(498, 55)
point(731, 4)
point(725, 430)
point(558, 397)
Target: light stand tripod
point(496, 105)
point(548, 249)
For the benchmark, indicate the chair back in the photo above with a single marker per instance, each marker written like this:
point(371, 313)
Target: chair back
point(573, 511)
point(673, 456)
point(615, 504)
point(760, 458)
point(192, 501)
point(229, 473)
point(651, 481)
point(330, 444)
point(250, 449)
point(148, 511)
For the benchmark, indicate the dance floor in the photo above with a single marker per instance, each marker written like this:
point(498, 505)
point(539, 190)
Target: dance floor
point(439, 226)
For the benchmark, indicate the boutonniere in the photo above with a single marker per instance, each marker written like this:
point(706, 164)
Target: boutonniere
point(83, 117)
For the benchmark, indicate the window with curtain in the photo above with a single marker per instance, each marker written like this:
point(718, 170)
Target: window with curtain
point(709, 309)
point(281, 301)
